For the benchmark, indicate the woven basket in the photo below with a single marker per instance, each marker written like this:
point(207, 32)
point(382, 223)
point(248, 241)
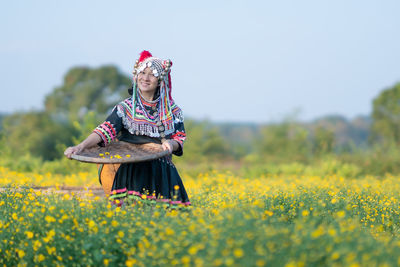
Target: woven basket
point(121, 152)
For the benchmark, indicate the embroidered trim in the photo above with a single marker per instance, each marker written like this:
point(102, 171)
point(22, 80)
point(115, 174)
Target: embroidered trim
point(180, 137)
point(144, 123)
point(106, 131)
point(122, 193)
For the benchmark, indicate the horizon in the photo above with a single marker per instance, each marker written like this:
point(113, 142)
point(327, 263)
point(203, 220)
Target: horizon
point(286, 118)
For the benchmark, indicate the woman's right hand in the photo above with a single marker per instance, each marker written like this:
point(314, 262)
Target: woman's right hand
point(90, 141)
point(72, 150)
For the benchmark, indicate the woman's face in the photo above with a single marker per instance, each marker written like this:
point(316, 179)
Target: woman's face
point(147, 82)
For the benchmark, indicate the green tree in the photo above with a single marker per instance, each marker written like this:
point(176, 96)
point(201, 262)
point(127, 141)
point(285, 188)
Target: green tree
point(324, 141)
point(204, 141)
point(35, 133)
point(282, 142)
point(386, 116)
point(86, 89)
point(2, 116)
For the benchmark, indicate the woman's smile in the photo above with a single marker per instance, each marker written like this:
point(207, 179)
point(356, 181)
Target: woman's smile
point(147, 82)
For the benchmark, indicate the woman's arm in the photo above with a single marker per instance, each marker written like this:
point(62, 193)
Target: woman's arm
point(90, 141)
point(171, 145)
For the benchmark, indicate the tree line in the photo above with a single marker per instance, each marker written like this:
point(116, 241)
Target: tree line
point(87, 95)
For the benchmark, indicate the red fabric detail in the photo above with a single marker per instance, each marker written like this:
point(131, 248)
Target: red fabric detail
point(145, 54)
point(170, 84)
point(179, 137)
point(112, 128)
point(179, 133)
point(102, 136)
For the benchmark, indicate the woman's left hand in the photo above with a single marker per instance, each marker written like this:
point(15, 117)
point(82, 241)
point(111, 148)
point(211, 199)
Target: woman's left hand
point(168, 145)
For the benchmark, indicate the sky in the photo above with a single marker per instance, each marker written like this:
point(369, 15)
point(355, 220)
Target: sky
point(235, 61)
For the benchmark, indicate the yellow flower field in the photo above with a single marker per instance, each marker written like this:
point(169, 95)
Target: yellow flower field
point(234, 221)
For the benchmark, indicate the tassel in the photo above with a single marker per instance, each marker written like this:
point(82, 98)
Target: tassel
point(134, 95)
point(170, 84)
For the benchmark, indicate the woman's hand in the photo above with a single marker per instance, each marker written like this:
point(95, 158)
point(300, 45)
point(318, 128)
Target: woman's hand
point(90, 141)
point(169, 145)
point(73, 150)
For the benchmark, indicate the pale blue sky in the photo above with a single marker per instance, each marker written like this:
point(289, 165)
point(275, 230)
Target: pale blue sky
point(253, 61)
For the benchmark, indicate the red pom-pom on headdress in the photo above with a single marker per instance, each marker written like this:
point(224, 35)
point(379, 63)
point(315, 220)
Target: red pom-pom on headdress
point(145, 54)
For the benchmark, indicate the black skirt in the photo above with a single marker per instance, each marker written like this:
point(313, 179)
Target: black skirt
point(154, 181)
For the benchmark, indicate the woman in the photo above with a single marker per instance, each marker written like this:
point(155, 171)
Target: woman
point(149, 116)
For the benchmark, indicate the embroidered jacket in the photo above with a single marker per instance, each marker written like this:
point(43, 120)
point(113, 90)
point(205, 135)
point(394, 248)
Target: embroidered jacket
point(146, 128)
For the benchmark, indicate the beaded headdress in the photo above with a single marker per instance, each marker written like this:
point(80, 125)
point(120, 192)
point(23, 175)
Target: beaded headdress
point(161, 121)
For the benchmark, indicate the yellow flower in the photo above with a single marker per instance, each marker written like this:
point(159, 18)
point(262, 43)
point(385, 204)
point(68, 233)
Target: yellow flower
point(340, 214)
point(268, 213)
point(50, 250)
point(169, 231)
point(106, 262)
point(238, 253)
point(51, 233)
point(91, 224)
point(185, 259)
point(121, 234)
point(29, 234)
point(305, 213)
point(109, 214)
point(332, 232)
point(36, 245)
point(260, 263)
point(335, 256)
point(317, 232)
point(49, 219)
point(192, 250)
point(291, 264)
point(21, 253)
point(130, 262)
point(40, 258)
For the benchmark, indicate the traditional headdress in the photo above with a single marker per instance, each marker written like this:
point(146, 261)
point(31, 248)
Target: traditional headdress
point(159, 67)
point(161, 122)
